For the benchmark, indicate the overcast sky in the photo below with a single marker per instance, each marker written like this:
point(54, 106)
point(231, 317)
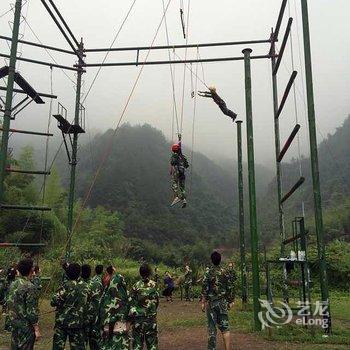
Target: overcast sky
point(210, 21)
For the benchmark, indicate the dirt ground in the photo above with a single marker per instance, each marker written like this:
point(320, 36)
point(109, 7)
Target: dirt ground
point(182, 326)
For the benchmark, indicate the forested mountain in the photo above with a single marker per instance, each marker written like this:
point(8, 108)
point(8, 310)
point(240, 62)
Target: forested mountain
point(135, 182)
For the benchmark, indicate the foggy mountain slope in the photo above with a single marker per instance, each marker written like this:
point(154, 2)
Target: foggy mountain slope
point(135, 181)
point(334, 167)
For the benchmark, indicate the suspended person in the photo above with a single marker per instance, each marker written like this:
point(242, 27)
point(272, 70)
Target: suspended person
point(219, 101)
point(70, 302)
point(179, 164)
point(217, 298)
point(144, 301)
point(22, 307)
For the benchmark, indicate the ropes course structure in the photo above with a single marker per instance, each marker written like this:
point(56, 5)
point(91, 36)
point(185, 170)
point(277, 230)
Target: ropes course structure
point(71, 131)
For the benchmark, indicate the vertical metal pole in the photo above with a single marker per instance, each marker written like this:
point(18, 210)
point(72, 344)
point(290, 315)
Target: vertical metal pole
point(252, 192)
point(73, 162)
point(9, 97)
point(278, 166)
point(314, 161)
point(241, 214)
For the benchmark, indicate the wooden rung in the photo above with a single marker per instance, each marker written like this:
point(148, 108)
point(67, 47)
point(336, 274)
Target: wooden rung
point(32, 172)
point(23, 207)
point(28, 132)
point(293, 189)
point(288, 142)
point(7, 244)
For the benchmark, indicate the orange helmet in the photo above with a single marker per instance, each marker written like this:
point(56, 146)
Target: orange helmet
point(175, 147)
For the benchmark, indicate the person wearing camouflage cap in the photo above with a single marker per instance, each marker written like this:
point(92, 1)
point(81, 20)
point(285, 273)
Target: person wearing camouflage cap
point(70, 303)
point(144, 301)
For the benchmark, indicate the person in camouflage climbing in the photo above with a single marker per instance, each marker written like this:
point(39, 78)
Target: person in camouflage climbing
point(217, 297)
point(114, 311)
point(69, 301)
point(188, 282)
point(96, 290)
point(144, 301)
point(22, 308)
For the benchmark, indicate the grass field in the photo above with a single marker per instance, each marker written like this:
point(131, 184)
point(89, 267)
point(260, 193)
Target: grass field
point(182, 326)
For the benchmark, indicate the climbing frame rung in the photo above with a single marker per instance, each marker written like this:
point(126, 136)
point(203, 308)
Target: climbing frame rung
point(288, 142)
point(27, 132)
point(32, 172)
point(286, 93)
point(293, 189)
point(283, 46)
point(23, 207)
point(9, 244)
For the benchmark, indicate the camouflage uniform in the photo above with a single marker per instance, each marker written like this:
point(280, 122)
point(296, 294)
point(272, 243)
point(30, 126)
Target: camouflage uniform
point(94, 328)
point(114, 313)
point(188, 280)
point(218, 292)
point(70, 301)
point(179, 164)
point(144, 301)
point(4, 289)
point(23, 313)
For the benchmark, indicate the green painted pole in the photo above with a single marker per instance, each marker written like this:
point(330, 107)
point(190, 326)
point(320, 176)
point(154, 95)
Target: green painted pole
point(73, 162)
point(314, 161)
point(9, 97)
point(241, 214)
point(252, 191)
point(278, 167)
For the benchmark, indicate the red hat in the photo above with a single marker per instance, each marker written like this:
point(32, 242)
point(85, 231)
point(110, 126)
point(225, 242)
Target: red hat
point(175, 147)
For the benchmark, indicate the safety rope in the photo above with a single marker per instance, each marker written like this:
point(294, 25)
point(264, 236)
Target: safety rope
point(48, 52)
point(46, 154)
point(184, 70)
point(193, 122)
point(108, 52)
point(172, 75)
point(296, 107)
point(108, 149)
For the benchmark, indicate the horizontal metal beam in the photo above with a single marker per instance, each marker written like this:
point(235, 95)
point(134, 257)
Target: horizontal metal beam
point(288, 142)
point(182, 46)
point(223, 59)
point(40, 62)
point(23, 207)
point(32, 172)
point(28, 132)
point(18, 91)
point(283, 46)
point(293, 189)
point(6, 245)
point(39, 45)
point(286, 93)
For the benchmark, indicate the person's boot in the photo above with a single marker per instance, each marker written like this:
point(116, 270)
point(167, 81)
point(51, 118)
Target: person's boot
point(184, 203)
point(175, 201)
